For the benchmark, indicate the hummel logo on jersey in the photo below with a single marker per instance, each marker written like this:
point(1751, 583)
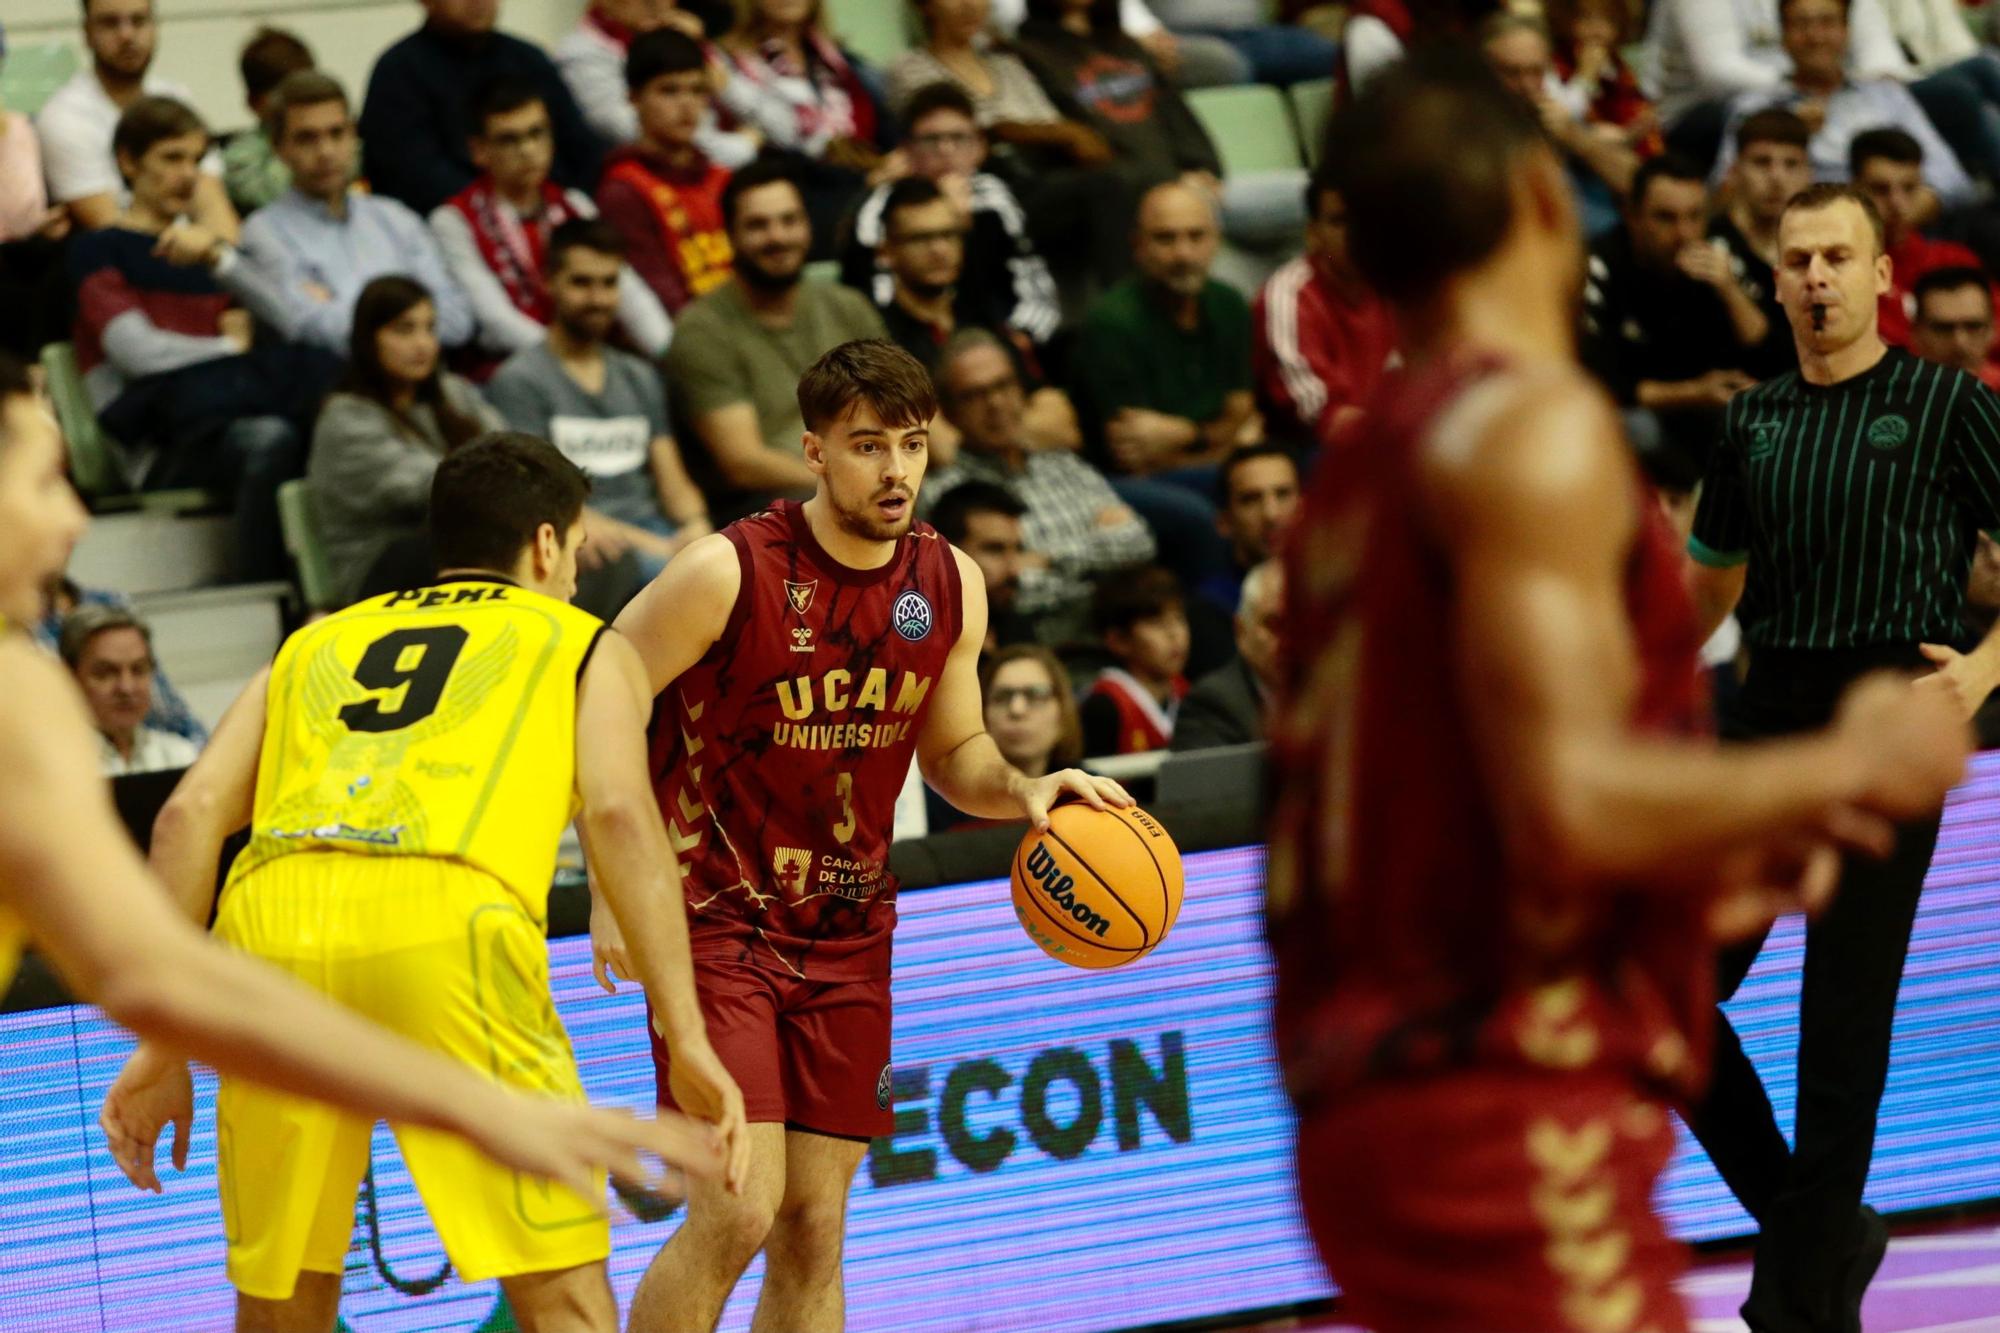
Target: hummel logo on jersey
point(802, 639)
point(800, 594)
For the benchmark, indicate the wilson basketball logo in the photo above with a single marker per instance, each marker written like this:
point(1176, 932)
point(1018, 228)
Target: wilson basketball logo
point(1061, 891)
point(912, 616)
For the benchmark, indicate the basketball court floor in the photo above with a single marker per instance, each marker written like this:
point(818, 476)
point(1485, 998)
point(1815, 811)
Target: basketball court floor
point(1943, 1281)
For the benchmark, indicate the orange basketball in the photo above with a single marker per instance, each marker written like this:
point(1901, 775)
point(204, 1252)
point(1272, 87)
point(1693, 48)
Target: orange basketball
point(1098, 888)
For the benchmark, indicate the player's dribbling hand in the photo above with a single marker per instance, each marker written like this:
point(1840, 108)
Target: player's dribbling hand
point(1038, 794)
point(704, 1089)
point(1911, 743)
point(152, 1091)
point(567, 1142)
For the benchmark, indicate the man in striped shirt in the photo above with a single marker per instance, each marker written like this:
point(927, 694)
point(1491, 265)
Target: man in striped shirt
point(1323, 338)
point(1839, 518)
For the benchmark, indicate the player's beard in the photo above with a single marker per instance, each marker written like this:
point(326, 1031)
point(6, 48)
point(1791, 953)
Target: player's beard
point(865, 522)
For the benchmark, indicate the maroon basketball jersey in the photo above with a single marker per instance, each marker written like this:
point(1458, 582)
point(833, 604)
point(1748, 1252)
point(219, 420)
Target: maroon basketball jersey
point(778, 757)
point(1405, 935)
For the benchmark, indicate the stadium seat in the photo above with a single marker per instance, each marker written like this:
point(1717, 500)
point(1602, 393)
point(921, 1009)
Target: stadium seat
point(303, 545)
point(876, 30)
point(94, 464)
point(1251, 126)
point(1312, 105)
point(28, 74)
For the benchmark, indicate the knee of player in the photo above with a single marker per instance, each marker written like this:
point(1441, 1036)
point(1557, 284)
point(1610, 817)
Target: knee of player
point(809, 1232)
point(737, 1226)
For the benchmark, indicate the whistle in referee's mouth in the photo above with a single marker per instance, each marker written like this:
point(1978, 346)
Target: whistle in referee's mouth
point(1819, 316)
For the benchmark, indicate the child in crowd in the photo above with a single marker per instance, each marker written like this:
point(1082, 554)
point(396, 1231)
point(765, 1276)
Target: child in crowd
point(1142, 619)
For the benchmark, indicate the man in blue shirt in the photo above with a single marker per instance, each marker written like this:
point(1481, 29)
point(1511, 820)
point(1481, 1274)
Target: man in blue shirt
point(322, 241)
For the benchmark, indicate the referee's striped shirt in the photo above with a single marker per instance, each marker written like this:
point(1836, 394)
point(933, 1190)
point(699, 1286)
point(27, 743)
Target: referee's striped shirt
point(1857, 505)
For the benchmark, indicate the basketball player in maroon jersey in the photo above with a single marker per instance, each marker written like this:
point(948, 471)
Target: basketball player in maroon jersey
point(1500, 853)
point(811, 651)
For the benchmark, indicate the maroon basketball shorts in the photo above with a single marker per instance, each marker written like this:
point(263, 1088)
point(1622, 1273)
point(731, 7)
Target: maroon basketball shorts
point(807, 1054)
point(1503, 1201)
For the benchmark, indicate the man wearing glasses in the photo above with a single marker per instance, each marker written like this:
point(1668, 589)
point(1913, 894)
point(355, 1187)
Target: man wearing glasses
point(496, 233)
point(1954, 325)
point(322, 241)
point(1001, 272)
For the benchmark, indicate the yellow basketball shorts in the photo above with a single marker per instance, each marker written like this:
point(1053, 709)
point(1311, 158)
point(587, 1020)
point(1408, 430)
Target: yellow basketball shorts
point(446, 956)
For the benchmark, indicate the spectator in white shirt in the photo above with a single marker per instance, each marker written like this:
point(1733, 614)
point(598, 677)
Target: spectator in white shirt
point(77, 121)
point(1192, 61)
point(1956, 80)
point(110, 652)
point(1836, 107)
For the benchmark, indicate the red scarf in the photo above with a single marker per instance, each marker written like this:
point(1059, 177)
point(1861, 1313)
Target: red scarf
point(512, 250)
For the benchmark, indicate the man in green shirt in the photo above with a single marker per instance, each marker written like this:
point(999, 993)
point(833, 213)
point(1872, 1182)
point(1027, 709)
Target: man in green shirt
point(738, 352)
point(1163, 381)
point(1839, 518)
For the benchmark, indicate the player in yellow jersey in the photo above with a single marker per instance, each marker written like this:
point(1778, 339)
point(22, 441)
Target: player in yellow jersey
point(72, 884)
point(406, 768)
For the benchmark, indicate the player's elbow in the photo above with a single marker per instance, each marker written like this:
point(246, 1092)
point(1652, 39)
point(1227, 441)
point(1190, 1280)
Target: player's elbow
point(154, 992)
point(1559, 829)
point(620, 818)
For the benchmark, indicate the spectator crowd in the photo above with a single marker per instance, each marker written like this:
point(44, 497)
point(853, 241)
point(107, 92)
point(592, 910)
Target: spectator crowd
point(631, 244)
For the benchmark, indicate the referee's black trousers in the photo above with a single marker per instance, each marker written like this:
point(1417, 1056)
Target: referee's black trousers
point(1806, 1199)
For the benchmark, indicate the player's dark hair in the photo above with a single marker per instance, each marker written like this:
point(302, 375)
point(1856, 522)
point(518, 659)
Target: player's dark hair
point(944, 95)
point(909, 192)
point(870, 370)
point(14, 383)
point(269, 55)
point(305, 87)
point(592, 234)
point(489, 499)
point(1955, 278)
point(662, 51)
point(768, 170)
point(1425, 159)
point(152, 120)
point(1774, 124)
point(1825, 194)
point(1225, 475)
point(1139, 594)
point(498, 97)
point(1886, 143)
point(1665, 167)
point(953, 515)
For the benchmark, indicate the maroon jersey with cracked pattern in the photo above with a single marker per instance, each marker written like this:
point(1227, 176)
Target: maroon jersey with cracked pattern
point(1407, 937)
point(778, 757)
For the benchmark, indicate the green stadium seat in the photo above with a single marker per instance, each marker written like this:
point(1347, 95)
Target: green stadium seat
point(876, 30)
point(1251, 126)
point(94, 464)
point(28, 74)
point(1312, 105)
point(302, 543)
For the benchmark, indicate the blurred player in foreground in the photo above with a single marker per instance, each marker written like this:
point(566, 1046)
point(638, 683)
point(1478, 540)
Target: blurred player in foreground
point(406, 768)
point(811, 651)
point(1501, 854)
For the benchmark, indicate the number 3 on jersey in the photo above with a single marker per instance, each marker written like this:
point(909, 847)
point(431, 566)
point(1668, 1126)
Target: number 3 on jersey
point(418, 662)
point(845, 828)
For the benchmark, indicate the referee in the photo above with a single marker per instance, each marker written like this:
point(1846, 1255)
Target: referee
point(1841, 510)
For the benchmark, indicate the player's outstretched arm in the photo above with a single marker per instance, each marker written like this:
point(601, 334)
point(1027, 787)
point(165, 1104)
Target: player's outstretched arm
point(1536, 515)
point(69, 871)
point(679, 615)
point(633, 866)
point(212, 800)
point(959, 758)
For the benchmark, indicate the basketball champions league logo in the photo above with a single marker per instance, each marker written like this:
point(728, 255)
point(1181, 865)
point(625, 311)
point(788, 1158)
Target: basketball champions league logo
point(912, 616)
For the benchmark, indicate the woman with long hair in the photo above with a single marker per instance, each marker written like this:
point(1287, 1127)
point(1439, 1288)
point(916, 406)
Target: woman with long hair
point(383, 429)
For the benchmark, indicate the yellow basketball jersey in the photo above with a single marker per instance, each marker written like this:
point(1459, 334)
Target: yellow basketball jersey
point(439, 722)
